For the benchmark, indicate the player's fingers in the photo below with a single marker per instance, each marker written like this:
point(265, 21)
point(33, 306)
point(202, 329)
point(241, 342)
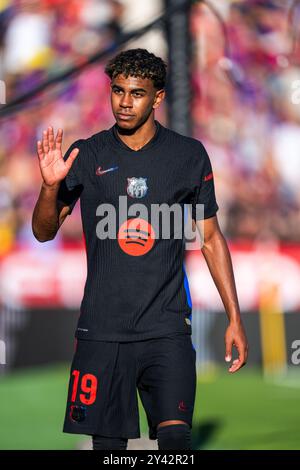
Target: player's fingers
point(241, 359)
point(45, 142)
point(241, 346)
point(71, 158)
point(40, 151)
point(51, 138)
point(228, 349)
point(58, 140)
point(235, 367)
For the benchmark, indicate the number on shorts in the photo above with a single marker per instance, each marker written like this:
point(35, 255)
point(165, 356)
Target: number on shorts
point(89, 386)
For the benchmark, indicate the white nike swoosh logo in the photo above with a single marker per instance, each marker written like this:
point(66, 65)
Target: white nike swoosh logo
point(100, 172)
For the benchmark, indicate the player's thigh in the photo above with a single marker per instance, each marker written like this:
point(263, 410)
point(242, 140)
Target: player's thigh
point(167, 386)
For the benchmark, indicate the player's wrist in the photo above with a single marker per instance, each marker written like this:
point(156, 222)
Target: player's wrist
point(50, 187)
point(235, 320)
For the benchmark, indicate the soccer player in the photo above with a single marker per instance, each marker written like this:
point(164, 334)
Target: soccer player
point(134, 329)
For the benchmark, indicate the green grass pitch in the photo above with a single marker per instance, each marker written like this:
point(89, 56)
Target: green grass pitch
point(239, 411)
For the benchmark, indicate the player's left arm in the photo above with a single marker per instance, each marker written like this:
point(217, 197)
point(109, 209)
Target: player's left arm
point(218, 259)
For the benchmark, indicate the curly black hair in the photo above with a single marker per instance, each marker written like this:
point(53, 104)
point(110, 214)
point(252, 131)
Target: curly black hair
point(138, 63)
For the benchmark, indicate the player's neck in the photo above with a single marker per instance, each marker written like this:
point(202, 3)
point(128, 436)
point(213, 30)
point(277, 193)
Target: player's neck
point(139, 137)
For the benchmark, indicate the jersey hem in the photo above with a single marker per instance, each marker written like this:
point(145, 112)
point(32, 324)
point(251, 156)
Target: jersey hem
point(126, 339)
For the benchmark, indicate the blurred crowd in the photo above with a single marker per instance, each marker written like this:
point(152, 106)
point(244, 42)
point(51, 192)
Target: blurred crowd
point(247, 111)
point(245, 105)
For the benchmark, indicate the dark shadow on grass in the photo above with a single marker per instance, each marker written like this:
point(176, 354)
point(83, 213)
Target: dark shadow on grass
point(203, 433)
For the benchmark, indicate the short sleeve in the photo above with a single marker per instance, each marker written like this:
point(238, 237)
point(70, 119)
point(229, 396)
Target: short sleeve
point(204, 188)
point(71, 186)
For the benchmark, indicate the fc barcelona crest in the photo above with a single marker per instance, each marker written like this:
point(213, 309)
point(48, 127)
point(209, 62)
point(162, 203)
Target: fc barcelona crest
point(137, 187)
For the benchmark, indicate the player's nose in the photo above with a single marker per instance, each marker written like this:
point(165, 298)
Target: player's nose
point(126, 101)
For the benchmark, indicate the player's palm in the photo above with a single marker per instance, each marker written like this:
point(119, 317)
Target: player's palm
point(52, 165)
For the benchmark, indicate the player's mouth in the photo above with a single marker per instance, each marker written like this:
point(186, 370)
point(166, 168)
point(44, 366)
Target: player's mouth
point(124, 116)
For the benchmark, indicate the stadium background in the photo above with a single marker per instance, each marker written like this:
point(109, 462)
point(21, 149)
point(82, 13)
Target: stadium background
point(244, 83)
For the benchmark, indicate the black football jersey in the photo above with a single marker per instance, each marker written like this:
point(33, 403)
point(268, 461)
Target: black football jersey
point(136, 286)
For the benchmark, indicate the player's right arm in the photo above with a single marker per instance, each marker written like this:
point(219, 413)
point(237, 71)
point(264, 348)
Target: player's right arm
point(49, 213)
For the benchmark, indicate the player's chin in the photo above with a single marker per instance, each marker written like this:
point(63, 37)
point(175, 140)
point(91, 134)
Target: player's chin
point(125, 125)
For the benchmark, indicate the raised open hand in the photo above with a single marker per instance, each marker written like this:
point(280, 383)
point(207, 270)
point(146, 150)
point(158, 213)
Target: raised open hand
point(52, 165)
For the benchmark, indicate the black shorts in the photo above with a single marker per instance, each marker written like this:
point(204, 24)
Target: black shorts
point(106, 376)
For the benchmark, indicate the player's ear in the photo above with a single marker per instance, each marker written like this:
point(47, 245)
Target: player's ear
point(159, 97)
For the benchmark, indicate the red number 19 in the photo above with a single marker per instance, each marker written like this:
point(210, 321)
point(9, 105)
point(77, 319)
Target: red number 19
point(89, 386)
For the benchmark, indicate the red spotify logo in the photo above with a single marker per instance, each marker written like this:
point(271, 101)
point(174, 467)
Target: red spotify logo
point(136, 237)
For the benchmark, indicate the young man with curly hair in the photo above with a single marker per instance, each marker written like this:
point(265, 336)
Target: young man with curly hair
point(134, 330)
